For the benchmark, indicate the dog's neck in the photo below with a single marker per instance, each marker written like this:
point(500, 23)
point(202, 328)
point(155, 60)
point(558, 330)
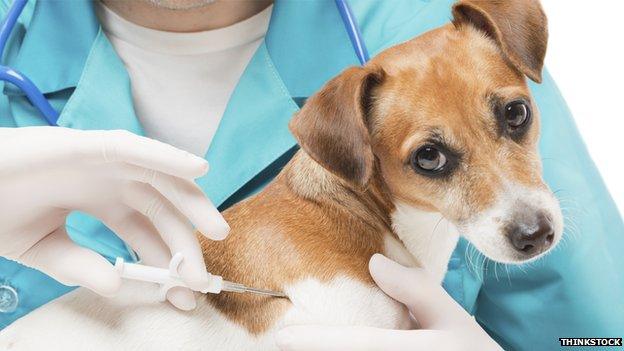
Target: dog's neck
point(427, 236)
point(311, 181)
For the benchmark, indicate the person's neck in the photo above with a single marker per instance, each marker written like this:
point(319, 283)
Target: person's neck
point(215, 15)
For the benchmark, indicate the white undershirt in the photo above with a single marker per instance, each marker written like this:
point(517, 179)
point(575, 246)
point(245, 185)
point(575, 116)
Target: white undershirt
point(181, 82)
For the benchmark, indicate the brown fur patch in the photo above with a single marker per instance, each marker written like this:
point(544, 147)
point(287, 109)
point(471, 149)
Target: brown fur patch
point(283, 235)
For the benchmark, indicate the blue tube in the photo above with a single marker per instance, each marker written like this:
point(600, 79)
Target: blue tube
point(9, 22)
point(353, 30)
point(10, 75)
point(34, 95)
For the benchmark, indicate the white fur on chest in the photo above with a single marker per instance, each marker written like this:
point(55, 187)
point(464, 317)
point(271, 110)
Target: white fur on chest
point(134, 320)
point(428, 237)
point(343, 301)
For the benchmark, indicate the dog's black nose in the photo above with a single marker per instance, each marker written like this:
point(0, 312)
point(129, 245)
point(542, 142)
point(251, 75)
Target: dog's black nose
point(534, 238)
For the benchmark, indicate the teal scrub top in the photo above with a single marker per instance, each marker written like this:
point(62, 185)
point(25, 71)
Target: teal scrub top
point(577, 291)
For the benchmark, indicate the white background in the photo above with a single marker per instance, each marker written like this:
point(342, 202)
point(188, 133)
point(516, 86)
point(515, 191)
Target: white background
point(586, 58)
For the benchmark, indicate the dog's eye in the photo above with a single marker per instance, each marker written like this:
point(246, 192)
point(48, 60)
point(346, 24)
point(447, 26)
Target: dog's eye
point(517, 114)
point(428, 159)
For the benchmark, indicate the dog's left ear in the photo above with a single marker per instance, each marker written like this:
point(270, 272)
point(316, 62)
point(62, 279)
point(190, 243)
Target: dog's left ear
point(519, 27)
point(332, 126)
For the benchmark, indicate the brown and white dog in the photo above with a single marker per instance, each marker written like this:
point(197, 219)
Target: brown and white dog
point(432, 138)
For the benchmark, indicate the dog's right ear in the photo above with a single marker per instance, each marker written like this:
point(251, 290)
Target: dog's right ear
point(519, 27)
point(332, 125)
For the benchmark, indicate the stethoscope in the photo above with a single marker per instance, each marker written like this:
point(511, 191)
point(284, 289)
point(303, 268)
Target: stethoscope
point(36, 98)
point(16, 78)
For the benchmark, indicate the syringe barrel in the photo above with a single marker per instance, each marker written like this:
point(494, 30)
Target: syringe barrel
point(144, 273)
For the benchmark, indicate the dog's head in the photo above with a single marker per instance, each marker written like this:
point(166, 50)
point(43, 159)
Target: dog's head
point(448, 121)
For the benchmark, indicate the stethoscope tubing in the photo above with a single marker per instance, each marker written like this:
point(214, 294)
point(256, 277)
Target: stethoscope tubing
point(9, 21)
point(14, 77)
point(353, 30)
point(33, 94)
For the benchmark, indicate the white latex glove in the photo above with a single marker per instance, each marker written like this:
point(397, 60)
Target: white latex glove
point(140, 188)
point(445, 325)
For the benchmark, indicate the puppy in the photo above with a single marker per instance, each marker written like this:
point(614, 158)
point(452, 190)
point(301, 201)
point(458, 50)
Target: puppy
point(431, 139)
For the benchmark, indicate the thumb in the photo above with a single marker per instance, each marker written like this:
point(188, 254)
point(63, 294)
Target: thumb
point(70, 264)
point(432, 307)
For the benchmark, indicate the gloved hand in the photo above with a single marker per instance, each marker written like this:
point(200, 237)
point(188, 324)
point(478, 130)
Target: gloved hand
point(445, 325)
point(140, 188)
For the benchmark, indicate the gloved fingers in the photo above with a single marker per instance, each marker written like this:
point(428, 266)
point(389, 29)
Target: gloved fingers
point(71, 264)
point(175, 230)
point(428, 302)
point(135, 229)
point(126, 147)
point(67, 145)
point(333, 338)
point(186, 196)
